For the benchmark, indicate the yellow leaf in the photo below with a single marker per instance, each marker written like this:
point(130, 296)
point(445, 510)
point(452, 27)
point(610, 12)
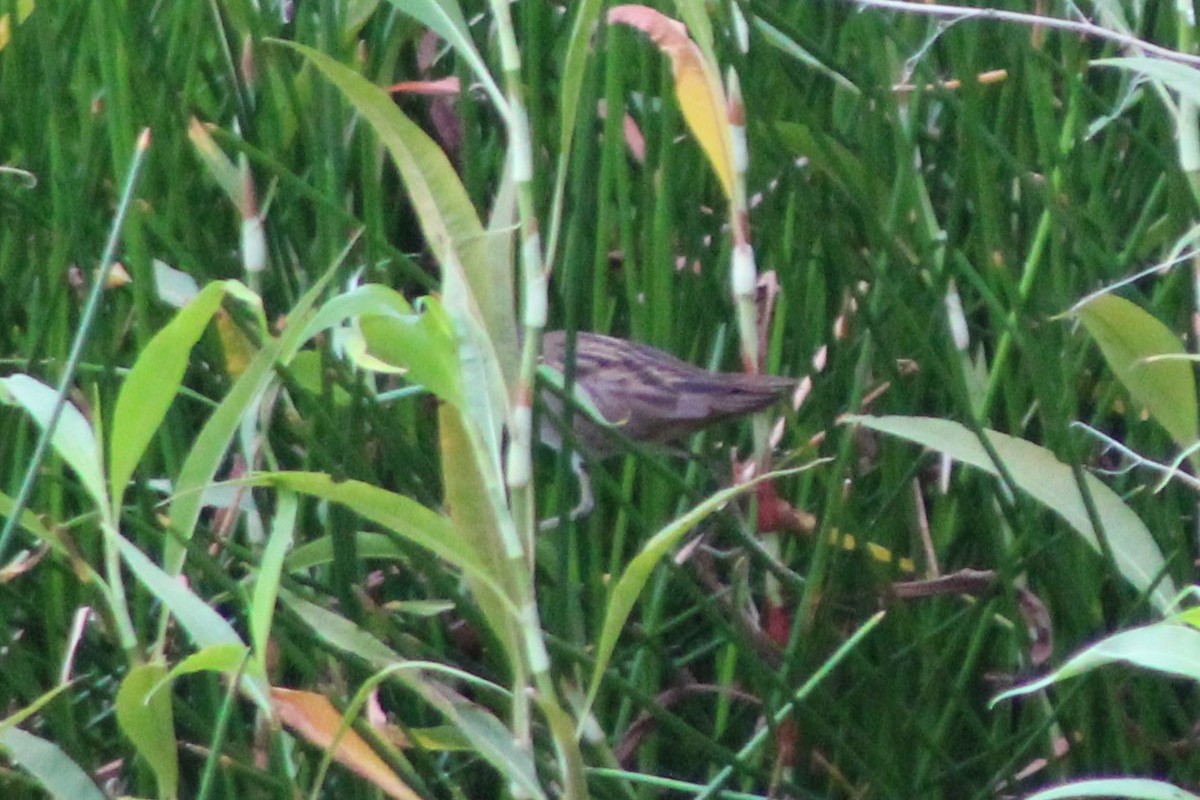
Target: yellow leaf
point(312, 716)
point(237, 348)
point(696, 84)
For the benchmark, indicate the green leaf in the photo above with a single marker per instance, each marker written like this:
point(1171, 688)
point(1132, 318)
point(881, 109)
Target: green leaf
point(452, 230)
point(147, 719)
point(203, 624)
point(206, 455)
point(34, 526)
point(473, 512)
point(270, 569)
point(1043, 477)
point(228, 659)
point(423, 345)
point(49, 765)
point(367, 544)
point(201, 621)
point(1166, 647)
point(20, 715)
point(152, 384)
point(73, 439)
point(448, 219)
point(1129, 336)
point(402, 515)
point(836, 161)
point(629, 586)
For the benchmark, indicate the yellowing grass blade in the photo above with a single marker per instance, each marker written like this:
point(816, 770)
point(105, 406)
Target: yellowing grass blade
point(696, 83)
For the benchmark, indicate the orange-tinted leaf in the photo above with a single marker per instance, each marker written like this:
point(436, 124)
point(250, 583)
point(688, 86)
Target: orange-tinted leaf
point(312, 716)
point(442, 87)
point(696, 83)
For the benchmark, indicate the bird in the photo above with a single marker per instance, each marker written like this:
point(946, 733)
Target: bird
point(643, 394)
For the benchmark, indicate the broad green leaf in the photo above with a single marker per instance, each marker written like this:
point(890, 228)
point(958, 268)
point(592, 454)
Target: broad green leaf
point(570, 759)
point(340, 632)
point(356, 15)
point(1043, 477)
point(495, 291)
point(201, 621)
point(372, 298)
point(152, 383)
point(631, 582)
point(61, 777)
point(471, 509)
point(423, 345)
point(1128, 336)
point(402, 515)
point(1166, 647)
point(145, 716)
point(208, 451)
point(452, 230)
point(73, 439)
point(1135, 788)
point(203, 624)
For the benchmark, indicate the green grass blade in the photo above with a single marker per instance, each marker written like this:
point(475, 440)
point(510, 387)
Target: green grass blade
point(629, 585)
point(270, 569)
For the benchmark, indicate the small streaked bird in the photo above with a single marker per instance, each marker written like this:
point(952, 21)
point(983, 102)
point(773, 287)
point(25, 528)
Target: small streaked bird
point(646, 395)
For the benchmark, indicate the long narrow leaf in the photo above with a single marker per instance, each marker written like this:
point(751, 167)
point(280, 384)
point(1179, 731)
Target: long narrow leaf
point(154, 380)
point(629, 586)
point(1052, 483)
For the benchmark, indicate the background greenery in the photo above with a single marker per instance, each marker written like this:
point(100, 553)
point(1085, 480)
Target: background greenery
point(879, 189)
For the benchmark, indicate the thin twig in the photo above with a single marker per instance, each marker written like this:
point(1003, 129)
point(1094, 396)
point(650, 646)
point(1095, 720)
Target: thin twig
point(960, 13)
point(82, 336)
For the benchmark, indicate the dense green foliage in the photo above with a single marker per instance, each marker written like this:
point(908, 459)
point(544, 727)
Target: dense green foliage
point(879, 192)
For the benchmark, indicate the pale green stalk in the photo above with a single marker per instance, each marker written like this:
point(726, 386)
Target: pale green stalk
point(519, 471)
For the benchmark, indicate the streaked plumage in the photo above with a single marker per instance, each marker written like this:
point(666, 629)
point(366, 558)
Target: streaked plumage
point(650, 396)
